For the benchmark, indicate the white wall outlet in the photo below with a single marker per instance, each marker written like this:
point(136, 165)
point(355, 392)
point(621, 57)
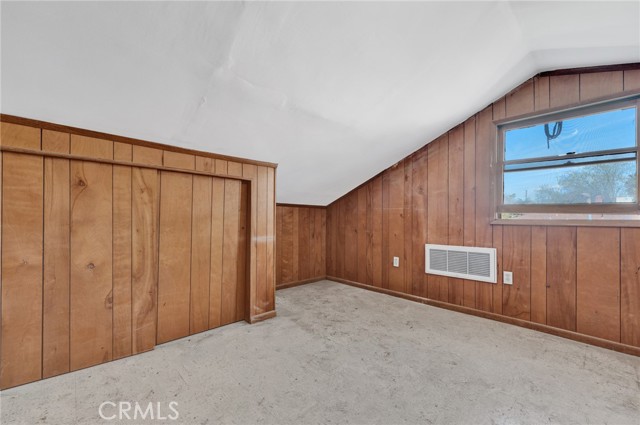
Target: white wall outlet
point(396, 261)
point(507, 278)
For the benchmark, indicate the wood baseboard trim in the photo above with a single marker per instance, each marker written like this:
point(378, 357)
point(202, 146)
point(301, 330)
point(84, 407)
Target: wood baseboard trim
point(262, 317)
point(299, 282)
point(586, 339)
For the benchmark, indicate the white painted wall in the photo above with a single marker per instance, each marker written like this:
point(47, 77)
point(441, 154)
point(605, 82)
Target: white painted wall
point(333, 92)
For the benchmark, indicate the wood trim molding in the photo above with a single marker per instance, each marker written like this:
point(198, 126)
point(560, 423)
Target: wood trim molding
point(300, 282)
point(262, 317)
point(591, 69)
point(301, 206)
point(12, 119)
point(46, 154)
point(598, 342)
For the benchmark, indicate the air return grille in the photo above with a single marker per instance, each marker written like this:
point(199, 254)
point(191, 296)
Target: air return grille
point(461, 261)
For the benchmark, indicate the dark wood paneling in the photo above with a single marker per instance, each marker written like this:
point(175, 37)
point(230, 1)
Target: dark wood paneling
point(598, 282)
point(516, 257)
point(556, 284)
point(561, 277)
point(630, 287)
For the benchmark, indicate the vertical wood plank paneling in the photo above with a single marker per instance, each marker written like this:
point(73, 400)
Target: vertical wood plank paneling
point(516, 258)
point(419, 221)
point(271, 204)
point(539, 274)
point(631, 80)
point(200, 254)
point(251, 172)
point(122, 228)
point(561, 277)
point(91, 257)
point(630, 287)
point(234, 168)
point(145, 197)
point(321, 229)
point(377, 231)
point(331, 241)
point(407, 219)
point(362, 233)
point(484, 234)
point(386, 256)
point(396, 227)
point(469, 231)
point(438, 219)
point(221, 166)
point(499, 112)
point(147, 156)
point(91, 147)
point(286, 241)
point(179, 160)
point(22, 213)
point(496, 302)
point(261, 243)
point(541, 89)
point(351, 237)
point(217, 244)
point(456, 205)
point(55, 302)
point(302, 232)
point(598, 282)
point(340, 237)
point(599, 84)
point(174, 276)
point(232, 205)
point(242, 296)
point(520, 101)
point(564, 90)
point(279, 240)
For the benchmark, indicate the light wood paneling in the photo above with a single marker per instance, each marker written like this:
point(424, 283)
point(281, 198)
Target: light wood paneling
point(145, 196)
point(22, 213)
point(230, 251)
point(174, 279)
point(217, 241)
point(200, 254)
point(55, 302)
point(91, 296)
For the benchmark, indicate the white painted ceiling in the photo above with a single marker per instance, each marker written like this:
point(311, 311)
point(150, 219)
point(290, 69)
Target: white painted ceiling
point(333, 92)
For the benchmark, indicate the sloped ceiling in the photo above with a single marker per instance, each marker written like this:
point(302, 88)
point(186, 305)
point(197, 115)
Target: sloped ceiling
point(333, 92)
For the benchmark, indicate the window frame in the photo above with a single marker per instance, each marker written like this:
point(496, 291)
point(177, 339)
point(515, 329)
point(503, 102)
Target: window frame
point(558, 114)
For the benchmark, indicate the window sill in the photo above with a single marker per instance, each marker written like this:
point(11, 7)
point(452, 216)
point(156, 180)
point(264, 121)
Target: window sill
point(566, 222)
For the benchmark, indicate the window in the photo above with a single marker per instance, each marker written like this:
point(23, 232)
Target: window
point(575, 164)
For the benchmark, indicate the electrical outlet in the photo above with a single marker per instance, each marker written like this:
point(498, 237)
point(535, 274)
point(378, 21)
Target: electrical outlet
point(507, 278)
point(396, 261)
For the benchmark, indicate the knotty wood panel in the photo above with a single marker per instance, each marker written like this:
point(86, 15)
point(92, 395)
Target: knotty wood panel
point(22, 204)
point(561, 277)
point(145, 197)
point(598, 282)
point(200, 254)
point(91, 290)
point(630, 287)
point(122, 260)
point(55, 302)
point(174, 279)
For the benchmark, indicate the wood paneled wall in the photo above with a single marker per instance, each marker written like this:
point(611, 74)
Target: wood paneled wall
point(300, 244)
point(111, 247)
point(580, 279)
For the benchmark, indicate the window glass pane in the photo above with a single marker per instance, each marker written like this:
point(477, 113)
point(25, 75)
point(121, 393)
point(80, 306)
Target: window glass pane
point(608, 183)
point(602, 131)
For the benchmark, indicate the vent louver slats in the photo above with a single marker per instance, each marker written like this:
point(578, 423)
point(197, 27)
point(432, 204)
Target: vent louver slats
point(461, 261)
